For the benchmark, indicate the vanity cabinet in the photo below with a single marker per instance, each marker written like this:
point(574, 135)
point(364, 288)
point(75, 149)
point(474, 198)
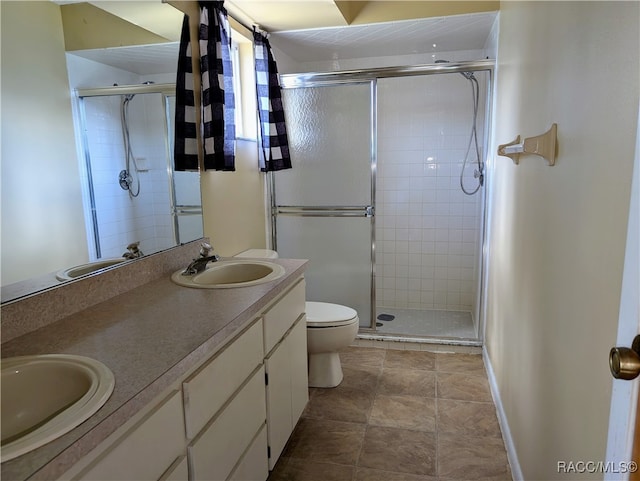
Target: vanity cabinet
point(285, 363)
point(222, 419)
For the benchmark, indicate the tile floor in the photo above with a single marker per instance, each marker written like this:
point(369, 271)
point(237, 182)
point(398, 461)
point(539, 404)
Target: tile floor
point(399, 416)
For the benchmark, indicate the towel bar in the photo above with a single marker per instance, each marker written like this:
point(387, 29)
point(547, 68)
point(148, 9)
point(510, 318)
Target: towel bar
point(544, 145)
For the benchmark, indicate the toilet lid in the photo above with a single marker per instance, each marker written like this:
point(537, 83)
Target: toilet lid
point(324, 314)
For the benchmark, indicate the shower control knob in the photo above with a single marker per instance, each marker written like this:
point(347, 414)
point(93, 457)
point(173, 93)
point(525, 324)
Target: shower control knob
point(624, 362)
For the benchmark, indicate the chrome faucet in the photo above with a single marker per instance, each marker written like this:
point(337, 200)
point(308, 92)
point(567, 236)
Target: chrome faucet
point(133, 252)
point(199, 264)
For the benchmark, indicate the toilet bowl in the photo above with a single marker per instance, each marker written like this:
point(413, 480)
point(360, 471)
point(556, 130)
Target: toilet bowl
point(330, 327)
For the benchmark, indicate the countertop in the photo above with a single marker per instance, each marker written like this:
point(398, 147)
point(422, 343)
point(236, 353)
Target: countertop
point(150, 337)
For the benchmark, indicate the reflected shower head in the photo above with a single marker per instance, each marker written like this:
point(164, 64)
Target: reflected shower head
point(467, 75)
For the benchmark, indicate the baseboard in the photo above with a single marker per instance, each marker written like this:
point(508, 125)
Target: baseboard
point(516, 471)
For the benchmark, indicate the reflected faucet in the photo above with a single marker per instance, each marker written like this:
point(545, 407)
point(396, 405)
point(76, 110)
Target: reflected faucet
point(133, 252)
point(199, 264)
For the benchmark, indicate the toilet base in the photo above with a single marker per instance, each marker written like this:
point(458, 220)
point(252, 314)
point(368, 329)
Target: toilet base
point(325, 370)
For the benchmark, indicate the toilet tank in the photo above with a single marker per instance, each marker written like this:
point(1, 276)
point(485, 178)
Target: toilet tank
point(259, 253)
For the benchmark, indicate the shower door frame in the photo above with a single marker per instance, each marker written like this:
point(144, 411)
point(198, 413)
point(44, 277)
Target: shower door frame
point(323, 79)
point(367, 211)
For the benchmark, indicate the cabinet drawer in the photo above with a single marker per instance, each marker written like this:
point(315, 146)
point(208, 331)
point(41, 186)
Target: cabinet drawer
point(281, 316)
point(253, 465)
point(147, 449)
point(206, 391)
point(220, 446)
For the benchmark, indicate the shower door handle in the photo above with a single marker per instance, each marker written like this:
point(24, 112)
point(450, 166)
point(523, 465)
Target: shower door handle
point(325, 211)
point(369, 211)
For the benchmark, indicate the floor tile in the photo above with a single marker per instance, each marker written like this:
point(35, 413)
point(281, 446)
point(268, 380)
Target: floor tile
point(423, 360)
point(472, 458)
point(362, 356)
point(399, 450)
point(326, 441)
point(343, 404)
point(406, 412)
point(466, 387)
point(467, 363)
point(363, 378)
point(399, 416)
point(406, 381)
point(366, 474)
point(467, 418)
point(304, 470)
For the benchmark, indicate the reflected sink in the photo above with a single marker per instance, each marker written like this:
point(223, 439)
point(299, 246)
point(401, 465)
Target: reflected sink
point(231, 273)
point(82, 269)
point(46, 396)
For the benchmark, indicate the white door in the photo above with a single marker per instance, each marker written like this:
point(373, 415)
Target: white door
point(624, 398)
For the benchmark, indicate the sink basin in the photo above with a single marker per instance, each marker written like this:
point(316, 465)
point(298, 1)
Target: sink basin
point(231, 273)
point(46, 396)
point(82, 269)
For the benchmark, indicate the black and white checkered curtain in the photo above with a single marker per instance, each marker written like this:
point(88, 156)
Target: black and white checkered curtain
point(273, 131)
point(185, 147)
point(218, 103)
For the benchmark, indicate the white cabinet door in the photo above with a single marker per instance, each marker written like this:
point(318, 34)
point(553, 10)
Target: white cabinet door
point(279, 427)
point(299, 371)
point(287, 388)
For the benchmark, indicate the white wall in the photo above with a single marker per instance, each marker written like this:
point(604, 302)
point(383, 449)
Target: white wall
point(42, 218)
point(557, 234)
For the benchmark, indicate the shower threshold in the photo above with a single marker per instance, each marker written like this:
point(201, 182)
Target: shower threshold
point(431, 323)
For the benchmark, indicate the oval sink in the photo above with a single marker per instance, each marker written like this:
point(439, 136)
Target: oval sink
point(231, 273)
point(82, 269)
point(46, 396)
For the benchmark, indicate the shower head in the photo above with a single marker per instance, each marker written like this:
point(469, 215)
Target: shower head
point(467, 75)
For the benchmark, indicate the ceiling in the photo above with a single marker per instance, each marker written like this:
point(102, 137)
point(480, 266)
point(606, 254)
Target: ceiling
point(311, 30)
point(427, 35)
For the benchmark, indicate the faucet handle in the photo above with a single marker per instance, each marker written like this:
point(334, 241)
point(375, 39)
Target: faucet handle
point(205, 249)
point(133, 251)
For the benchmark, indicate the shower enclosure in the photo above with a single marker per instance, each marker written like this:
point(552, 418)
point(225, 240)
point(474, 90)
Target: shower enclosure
point(132, 193)
point(386, 196)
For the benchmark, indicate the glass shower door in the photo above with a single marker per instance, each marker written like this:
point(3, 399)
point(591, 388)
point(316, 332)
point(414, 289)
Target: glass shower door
point(186, 202)
point(323, 207)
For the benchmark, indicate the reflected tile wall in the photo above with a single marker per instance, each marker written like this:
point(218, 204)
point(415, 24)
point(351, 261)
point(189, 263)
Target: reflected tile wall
point(122, 220)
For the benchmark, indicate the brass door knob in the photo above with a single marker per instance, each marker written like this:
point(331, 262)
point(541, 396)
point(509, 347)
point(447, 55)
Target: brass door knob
point(624, 362)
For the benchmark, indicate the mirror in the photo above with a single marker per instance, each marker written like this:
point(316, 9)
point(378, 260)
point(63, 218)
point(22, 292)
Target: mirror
point(63, 203)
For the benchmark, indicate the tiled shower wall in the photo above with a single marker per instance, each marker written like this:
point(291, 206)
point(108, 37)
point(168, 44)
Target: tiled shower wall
point(121, 220)
point(427, 230)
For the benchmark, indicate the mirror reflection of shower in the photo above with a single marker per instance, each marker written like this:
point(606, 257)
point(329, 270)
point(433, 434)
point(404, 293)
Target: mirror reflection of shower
point(167, 209)
point(478, 173)
point(129, 177)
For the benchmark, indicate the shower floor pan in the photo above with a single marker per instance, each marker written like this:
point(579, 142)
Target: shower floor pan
point(426, 323)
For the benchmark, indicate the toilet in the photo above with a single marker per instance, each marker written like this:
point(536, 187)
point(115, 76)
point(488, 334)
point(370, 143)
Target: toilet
point(330, 327)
